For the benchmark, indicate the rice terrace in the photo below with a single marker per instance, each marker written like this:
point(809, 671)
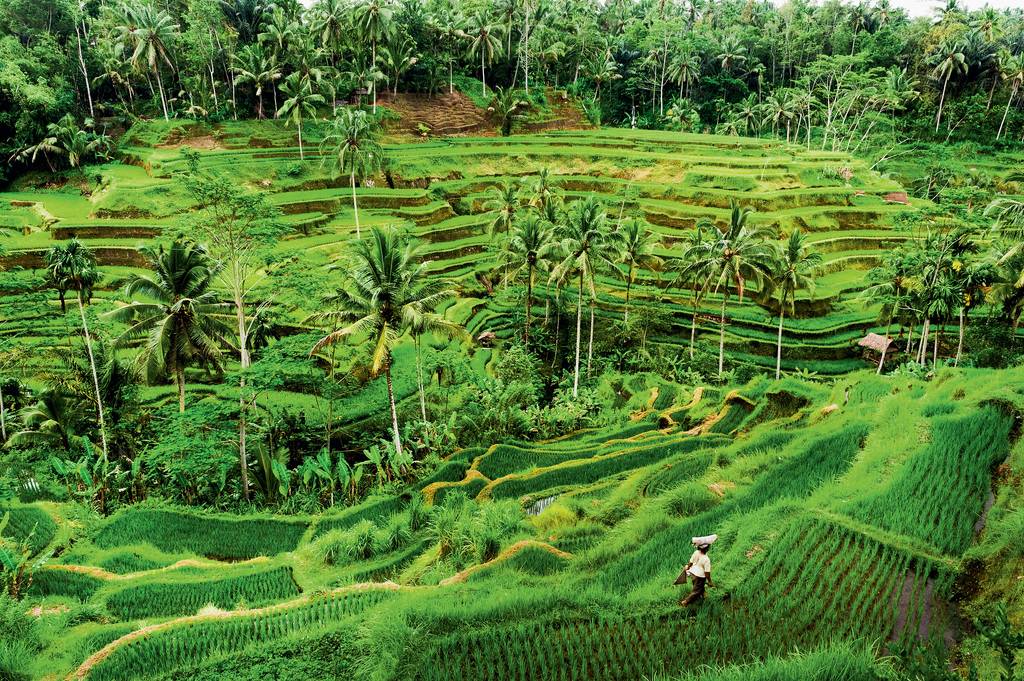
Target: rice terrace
point(511, 339)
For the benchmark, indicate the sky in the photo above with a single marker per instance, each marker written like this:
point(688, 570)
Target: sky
point(918, 8)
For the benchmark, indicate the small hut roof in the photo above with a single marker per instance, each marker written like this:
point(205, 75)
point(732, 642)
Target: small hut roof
point(486, 336)
point(876, 342)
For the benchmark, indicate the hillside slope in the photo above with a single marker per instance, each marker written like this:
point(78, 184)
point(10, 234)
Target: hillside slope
point(839, 521)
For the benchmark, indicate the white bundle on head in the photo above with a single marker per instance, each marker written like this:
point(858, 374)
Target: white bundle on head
point(709, 540)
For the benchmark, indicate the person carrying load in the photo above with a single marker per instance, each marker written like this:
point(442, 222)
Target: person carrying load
point(699, 568)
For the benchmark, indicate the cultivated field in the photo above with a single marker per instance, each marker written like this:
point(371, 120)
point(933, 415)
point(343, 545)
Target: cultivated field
point(841, 522)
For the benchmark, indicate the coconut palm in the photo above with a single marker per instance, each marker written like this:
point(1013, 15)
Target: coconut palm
point(253, 65)
point(182, 319)
point(372, 20)
point(246, 16)
point(685, 70)
point(793, 269)
point(399, 55)
point(352, 144)
point(65, 138)
point(74, 267)
point(741, 255)
point(502, 202)
point(602, 69)
point(1013, 71)
point(329, 23)
point(529, 249)
point(153, 35)
point(635, 244)
point(890, 285)
point(301, 103)
point(386, 292)
point(55, 418)
point(948, 60)
point(484, 41)
point(694, 268)
point(732, 53)
point(586, 245)
point(542, 190)
point(506, 107)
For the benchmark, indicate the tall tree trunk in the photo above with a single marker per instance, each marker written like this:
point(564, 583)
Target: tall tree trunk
point(1006, 111)
point(373, 79)
point(885, 348)
point(394, 408)
point(483, 74)
point(558, 326)
point(922, 349)
point(243, 403)
point(942, 101)
point(935, 345)
point(721, 337)
point(529, 305)
point(590, 341)
point(95, 376)
point(960, 339)
point(629, 283)
point(693, 325)
point(355, 206)
point(419, 381)
point(301, 156)
point(84, 68)
point(778, 352)
point(160, 86)
point(579, 322)
point(179, 378)
point(3, 414)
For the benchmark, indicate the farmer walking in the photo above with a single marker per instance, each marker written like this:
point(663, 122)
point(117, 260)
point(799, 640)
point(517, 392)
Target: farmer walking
point(699, 569)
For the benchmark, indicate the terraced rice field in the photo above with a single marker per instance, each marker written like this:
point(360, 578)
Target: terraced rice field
point(436, 190)
point(829, 531)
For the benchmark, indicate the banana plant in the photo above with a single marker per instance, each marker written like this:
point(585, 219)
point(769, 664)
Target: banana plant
point(378, 457)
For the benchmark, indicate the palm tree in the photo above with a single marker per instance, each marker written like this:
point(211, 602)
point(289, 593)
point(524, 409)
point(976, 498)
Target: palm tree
point(948, 60)
point(74, 267)
point(251, 64)
point(484, 41)
point(352, 143)
point(246, 16)
point(685, 70)
point(55, 418)
point(301, 103)
point(732, 52)
point(694, 268)
point(793, 270)
point(502, 202)
point(636, 246)
point(585, 243)
point(65, 138)
point(506, 106)
point(183, 321)
point(154, 33)
point(529, 249)
point(372, 20)
point(399, 56)
point(542, 190)
point(330, 22)
point(741, 254)
point(1013, 71)
point(602, 68)
point(890, 283)
point(387, 291)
